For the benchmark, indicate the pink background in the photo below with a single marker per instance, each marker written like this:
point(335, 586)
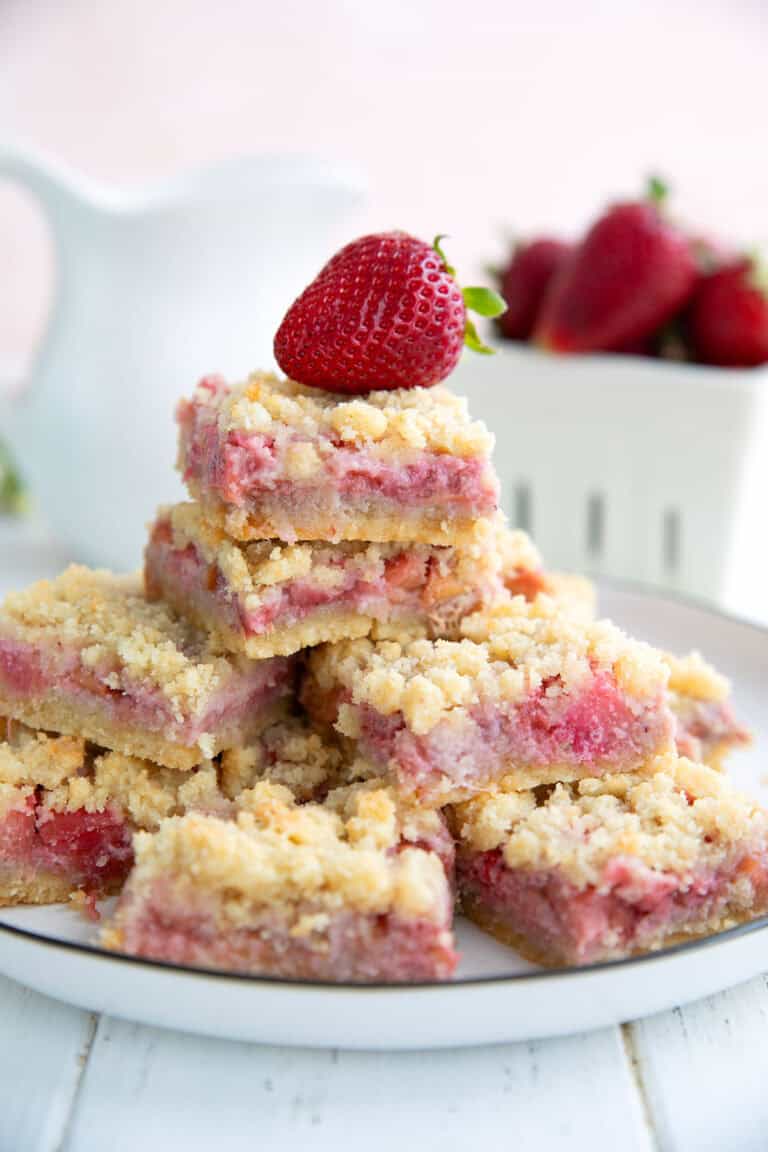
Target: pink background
point(469, 119)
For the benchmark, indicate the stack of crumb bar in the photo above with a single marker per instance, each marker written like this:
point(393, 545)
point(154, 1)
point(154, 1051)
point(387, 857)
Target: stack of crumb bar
point(343, 701)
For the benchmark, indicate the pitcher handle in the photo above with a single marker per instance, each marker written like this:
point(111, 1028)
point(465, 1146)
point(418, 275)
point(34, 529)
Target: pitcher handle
point(61, 200)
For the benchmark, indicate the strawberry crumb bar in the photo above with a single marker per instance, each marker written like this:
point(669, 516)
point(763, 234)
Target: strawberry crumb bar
point(87, 655)
point(52, 844)
point(707, 729)
point(273, 459)
point(602, 869)
point(328, 892)
point(268, 598)
point(68, 811)
point(529, 696)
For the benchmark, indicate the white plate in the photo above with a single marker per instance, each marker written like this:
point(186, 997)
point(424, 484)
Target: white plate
point(495, 997)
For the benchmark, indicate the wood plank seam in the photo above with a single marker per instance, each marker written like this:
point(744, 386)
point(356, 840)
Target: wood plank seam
point(636, 1072)
point(83, 1058)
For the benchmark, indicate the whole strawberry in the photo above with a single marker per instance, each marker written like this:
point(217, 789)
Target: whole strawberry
point(727, 321)
point(630, 275)
point(524, 283)
point(385, 312)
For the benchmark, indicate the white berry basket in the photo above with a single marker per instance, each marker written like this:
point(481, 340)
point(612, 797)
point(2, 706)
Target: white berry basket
point(644, 470)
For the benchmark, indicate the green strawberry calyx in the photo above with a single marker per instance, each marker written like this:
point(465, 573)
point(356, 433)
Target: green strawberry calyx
point(483, 301)
point(657, 191)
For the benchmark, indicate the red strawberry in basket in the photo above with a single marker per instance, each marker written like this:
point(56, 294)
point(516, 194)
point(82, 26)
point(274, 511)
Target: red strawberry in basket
point(632, 273)
point(385, 312)
point(728, 316)
point(524, 283)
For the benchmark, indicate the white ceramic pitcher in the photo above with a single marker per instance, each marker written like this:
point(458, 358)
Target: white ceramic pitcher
point(155, 288)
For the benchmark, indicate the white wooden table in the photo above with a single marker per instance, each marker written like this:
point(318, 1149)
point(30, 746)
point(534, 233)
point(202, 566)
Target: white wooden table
point(692, 1080)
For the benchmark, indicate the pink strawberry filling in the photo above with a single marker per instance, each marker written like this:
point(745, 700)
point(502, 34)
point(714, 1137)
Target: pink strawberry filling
point(184, 927)
point(705, 726)
point(91, 850)
point(27, 672)
point(431, 479)
point(634, 908)
point(249, 466)
point(600, 726)
point(406, 585)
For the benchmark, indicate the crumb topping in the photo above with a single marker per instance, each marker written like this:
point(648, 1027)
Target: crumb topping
point(387, 423)
point(75, 775)
point(145, 792)
point(374, 813)
point(681, 816)
point(37, 759)
point(252, 569)
point(573, 593)
point(278, 852)
point(509, 652)
point(118, 635)
point(290, 754)
point(514, 548)
point(693, 677)
point(14, 797)
point(541, 633)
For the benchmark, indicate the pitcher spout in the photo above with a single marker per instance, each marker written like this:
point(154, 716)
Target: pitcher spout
point(59, 191)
